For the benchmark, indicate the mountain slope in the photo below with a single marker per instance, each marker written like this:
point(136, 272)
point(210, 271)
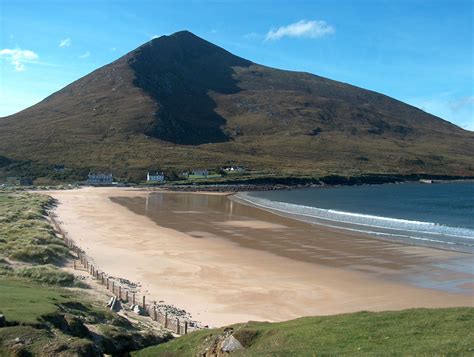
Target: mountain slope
point(180, 102)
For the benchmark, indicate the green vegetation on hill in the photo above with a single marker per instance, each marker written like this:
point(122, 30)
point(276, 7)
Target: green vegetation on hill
point(425, 332)
point(27, 238)
point(19, 304)
point(51, 321)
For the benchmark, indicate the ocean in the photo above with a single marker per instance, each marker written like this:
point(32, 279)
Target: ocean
point(436, 215)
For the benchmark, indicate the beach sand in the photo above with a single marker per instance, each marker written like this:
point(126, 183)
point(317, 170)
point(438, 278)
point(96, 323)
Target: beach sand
point(224, 268)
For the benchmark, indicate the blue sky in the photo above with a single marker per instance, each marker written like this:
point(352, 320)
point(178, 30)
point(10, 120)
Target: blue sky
point(420, 52)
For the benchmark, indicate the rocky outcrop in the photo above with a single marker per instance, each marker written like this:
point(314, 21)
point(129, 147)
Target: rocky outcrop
point(230, 340)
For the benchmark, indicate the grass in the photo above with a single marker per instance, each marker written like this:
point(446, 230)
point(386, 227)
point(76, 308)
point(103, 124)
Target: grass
point(36, 314)
point(25, 235)
point(31, 310)
point(47, 274)
point(425, 332)
point(24, 302)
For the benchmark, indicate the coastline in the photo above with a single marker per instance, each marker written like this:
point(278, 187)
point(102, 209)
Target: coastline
point(361, 228)
point(219, 281)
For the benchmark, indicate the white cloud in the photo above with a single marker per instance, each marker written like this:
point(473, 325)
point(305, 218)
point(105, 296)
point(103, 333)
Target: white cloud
point(17, 57)
point(152, 37)
point(65, 42)
point(302, 28)
point(85, 55)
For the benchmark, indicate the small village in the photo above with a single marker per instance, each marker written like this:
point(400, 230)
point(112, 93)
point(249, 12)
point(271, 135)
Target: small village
point(108, 178)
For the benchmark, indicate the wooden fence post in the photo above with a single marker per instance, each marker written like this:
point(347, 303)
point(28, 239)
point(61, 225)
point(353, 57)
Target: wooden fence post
point(185, 327)
point(126, 295)
point(166, 319)
point(120, 293)
point(143, 302)
point(74, 264)
point(133, 299)
point(113, 287)
point(107, 283)
point(154, 313)
point(177, 326)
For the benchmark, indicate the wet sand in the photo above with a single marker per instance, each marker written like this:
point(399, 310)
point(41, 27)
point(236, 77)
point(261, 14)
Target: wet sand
point(225, 262)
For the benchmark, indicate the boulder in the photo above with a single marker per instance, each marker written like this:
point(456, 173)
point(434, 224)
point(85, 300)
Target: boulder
point(231, 344)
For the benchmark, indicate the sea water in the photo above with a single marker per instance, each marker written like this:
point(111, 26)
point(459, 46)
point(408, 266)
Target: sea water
point(438, 215)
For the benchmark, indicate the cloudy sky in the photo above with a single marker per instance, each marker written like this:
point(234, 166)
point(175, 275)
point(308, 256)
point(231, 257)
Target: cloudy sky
point(417, 51)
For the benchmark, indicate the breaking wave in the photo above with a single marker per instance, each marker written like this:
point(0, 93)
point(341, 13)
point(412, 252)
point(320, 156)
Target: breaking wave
point(407, 231)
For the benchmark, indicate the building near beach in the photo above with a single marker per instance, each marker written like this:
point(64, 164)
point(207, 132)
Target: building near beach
point(155, 177)
point(233, 169)
point(99, 178)
point(22, 181)
point(200, 172)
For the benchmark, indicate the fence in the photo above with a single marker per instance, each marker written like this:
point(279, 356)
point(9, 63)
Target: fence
point(124, 292)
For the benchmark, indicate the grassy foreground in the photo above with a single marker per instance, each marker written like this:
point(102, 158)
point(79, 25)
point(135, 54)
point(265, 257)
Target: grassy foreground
point(410, 332)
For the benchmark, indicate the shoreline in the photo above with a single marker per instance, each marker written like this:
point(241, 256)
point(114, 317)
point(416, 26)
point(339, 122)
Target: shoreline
point(412, 242)
point(233, 188)
point(216, 280)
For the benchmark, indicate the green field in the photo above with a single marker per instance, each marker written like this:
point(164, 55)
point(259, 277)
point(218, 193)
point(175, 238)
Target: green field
point(424, 332)
point(20, 304)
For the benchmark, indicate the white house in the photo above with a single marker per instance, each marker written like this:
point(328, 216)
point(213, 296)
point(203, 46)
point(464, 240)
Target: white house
point(99, 178)
point(233, 169)
point(155, 177)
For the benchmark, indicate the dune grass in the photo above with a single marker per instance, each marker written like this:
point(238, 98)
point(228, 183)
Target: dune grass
point(47, 274)
point(25, 235)
point(424, 332)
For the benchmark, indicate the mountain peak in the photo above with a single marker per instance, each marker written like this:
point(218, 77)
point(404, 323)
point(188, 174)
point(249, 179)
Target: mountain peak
point(183, 35)
point(172, 69)
point(186, 44)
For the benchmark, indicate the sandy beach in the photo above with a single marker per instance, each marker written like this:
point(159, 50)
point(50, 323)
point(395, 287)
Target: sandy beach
point(233, 264)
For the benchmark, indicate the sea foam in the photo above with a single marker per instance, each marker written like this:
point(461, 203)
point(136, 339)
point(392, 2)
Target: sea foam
point(409, 231)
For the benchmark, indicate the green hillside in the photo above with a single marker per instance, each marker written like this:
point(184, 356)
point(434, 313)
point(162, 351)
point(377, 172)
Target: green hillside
point(420, 332)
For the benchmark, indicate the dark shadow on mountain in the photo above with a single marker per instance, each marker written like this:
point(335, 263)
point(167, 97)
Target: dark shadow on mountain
point(178, 71)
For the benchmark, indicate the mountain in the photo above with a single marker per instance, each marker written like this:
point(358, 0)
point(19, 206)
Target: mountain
point(179, 102)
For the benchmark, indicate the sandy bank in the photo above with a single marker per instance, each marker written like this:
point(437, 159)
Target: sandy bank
point(221, 281)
